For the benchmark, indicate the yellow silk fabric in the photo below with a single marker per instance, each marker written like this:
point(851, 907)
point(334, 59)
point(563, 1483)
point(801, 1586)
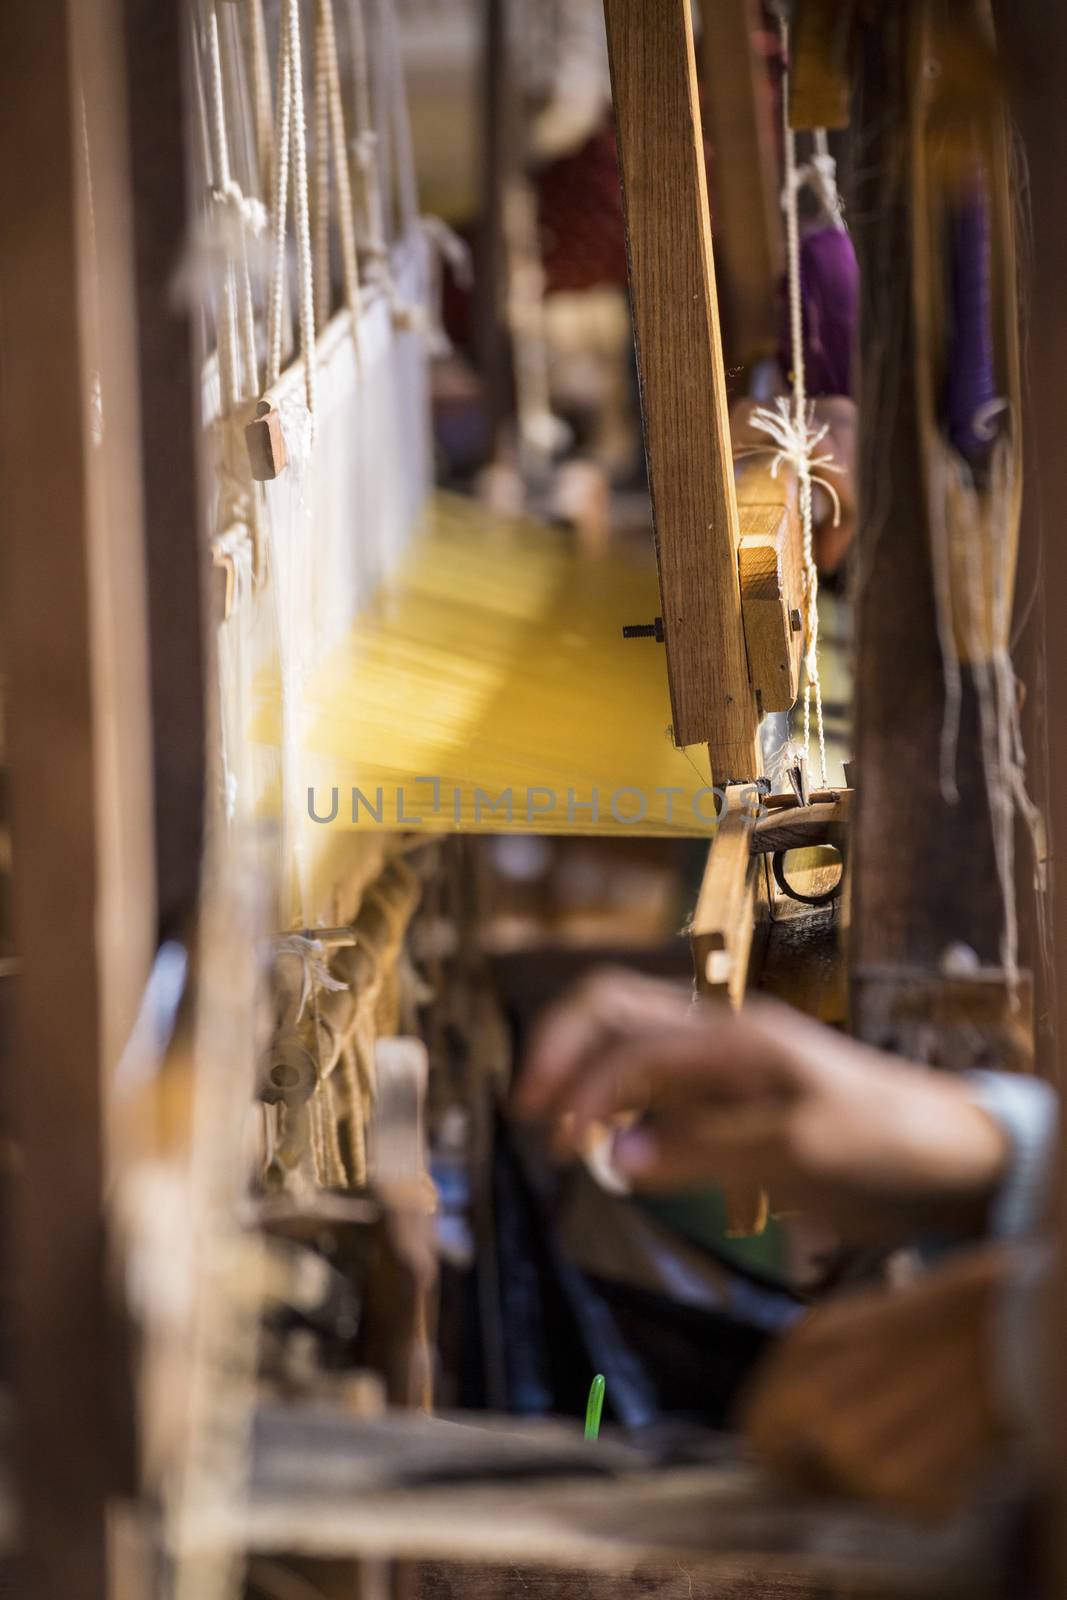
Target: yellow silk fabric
point(495, 664)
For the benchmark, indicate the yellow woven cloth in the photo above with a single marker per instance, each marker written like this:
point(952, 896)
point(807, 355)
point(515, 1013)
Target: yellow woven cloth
point(490, 690)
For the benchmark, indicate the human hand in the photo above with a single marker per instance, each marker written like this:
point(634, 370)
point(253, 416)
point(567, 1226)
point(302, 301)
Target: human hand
point(764, 1096)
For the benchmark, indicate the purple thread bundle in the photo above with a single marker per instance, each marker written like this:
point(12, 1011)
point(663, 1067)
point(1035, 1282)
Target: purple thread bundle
point(829, 292)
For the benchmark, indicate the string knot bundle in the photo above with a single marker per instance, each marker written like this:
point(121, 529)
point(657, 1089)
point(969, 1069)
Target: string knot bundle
point(796, 438)
point(819, 175)
point(240, 214)
point(314, 971)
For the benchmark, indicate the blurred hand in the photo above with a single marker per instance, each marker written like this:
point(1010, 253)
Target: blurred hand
point(765, 1096)
point(888, 1394)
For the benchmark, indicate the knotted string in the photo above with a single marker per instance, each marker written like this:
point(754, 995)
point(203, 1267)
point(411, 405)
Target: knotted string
point(315, 973)
point(790, 423)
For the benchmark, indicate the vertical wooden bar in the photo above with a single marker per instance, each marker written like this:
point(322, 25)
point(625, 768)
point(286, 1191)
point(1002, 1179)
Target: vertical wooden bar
point(1033, 41)
point(156, 42)
point(683, 388)
point(745, 183)
point(497, 155)
point(61, 1345)
point(923, 870)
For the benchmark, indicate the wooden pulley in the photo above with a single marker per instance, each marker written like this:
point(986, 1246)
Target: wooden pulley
point(288, 1076)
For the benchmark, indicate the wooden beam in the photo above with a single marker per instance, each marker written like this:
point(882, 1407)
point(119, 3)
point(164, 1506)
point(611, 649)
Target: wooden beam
point(683, 389)
point(745, 182)
point(923, 870)
point(1033, 40)
point(59, 1310)
point(492, 338)
point(156, 42)
point(729, 926)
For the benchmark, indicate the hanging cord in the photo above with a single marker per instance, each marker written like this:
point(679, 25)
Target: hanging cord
point(819, 175)
point(372, 156)
point(330, 139)
point(364, 144)
point(791, 423)
point(321, 209)
point(242, 216)
point(262, 104)
point(290, 152)
point(279, 204)
point(446, 248)
point(407, 190)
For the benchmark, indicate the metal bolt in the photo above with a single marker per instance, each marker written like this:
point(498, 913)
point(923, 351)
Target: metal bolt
point(796, 621)
point(644, 630)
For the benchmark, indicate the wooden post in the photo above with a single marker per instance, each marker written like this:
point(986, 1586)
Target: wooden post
point(64, 1460)
point(99, 483)
point(1033, 41)
point(497, 157)
point(745, 182)
point(683, 388)
point(156, 42)
point(923, 873)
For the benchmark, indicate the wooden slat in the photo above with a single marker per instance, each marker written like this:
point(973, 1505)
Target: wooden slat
point(672, 286)
point(731, 916)
point(156, 37)
point(59, 1310)
point(1034, 38)
point(721, 932)
point(772, 604)
point(771, 566)
point(745, 182)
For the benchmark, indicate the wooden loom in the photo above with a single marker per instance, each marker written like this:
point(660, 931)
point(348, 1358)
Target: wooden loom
point(729, 569)
point(729, 554)
point(58, 1240)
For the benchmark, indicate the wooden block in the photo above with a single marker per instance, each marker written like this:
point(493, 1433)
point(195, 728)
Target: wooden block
point(721, 932)
point(683, 389)
point(955, 1021)
point(772, 601)
point(266, 443)
point(733, 899)
point(820, 81)
point(800, 827)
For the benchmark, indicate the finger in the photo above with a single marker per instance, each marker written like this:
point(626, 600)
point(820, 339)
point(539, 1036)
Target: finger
point(740, 1145)
point(607, 1006)
point(721, 1063)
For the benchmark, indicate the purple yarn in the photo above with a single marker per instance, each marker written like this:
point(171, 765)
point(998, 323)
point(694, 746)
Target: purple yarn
point(829, 290)
point(970, 380)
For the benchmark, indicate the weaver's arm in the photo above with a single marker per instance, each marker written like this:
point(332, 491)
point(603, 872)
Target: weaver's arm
point(703, 1095)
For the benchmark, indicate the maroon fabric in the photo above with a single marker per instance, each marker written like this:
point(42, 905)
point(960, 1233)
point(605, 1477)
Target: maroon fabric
point(583, 241)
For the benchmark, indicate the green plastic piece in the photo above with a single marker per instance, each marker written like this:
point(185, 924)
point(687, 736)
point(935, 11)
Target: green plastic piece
point(594, 1407)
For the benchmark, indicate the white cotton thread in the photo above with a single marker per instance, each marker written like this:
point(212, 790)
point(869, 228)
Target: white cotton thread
point(290, 152)
point(238, 362)
point(300, 200)
point(326, 53)
point(315, 973)
point(791, 424)
point(279, 206)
